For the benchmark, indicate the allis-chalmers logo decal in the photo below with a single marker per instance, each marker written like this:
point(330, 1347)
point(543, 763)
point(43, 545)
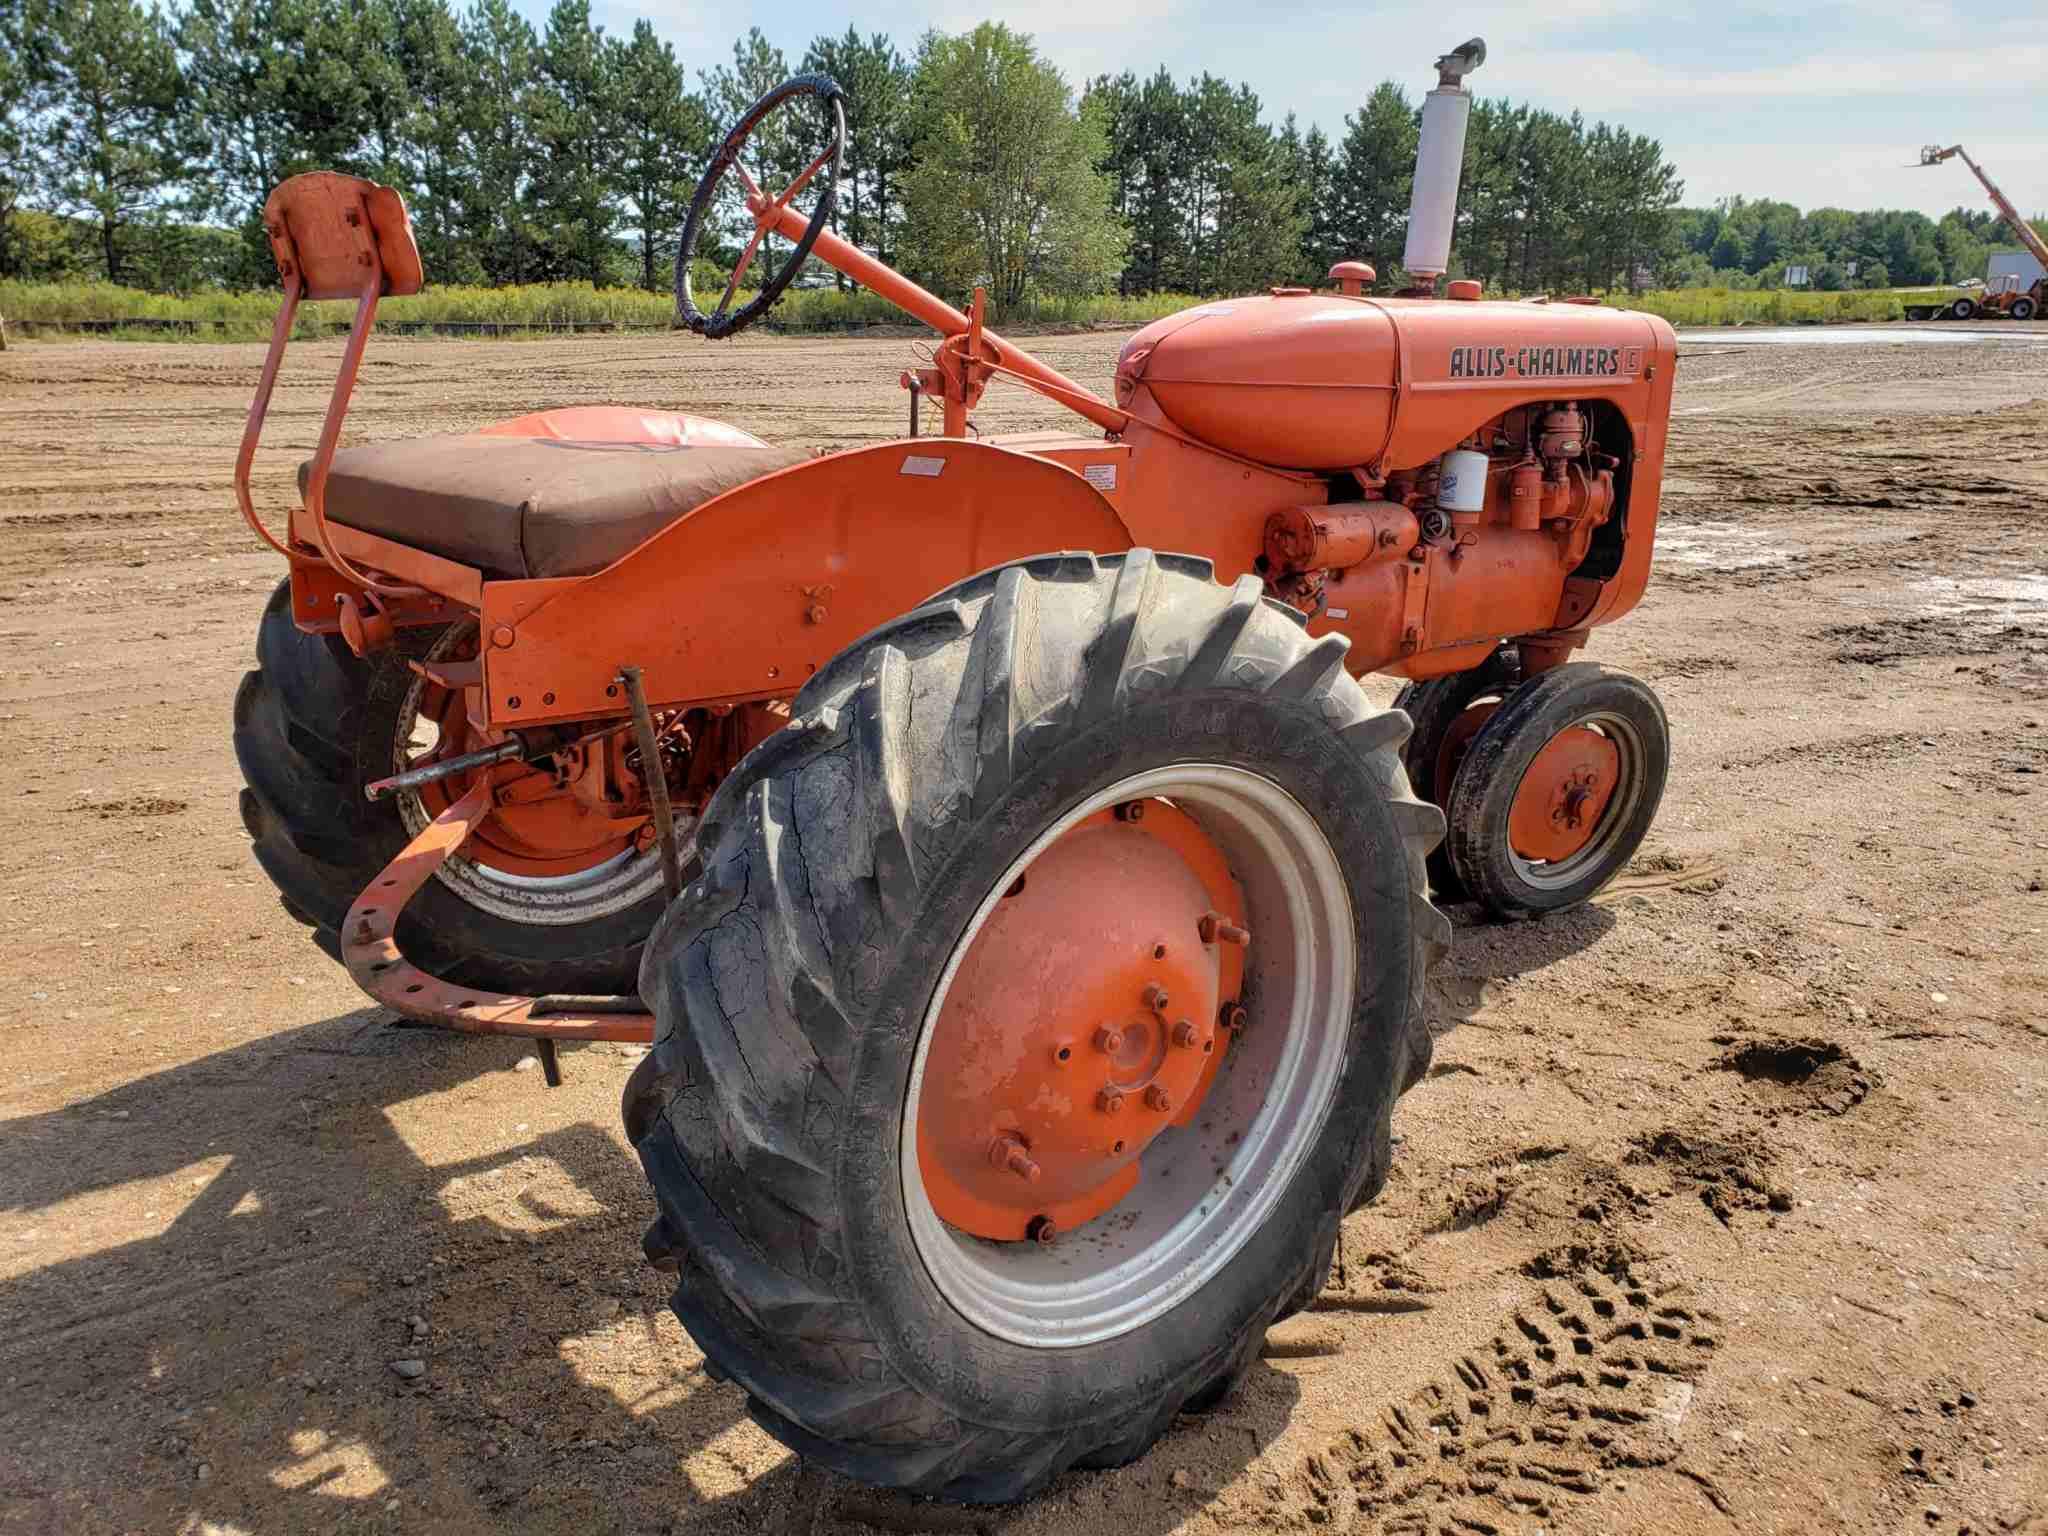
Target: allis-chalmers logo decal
point(1545, 362)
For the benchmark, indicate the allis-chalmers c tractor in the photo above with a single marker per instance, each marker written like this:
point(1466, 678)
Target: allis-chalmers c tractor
point(1030, 908)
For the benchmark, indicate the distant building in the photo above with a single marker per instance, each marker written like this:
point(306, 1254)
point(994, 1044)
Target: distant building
point(1795, 277)
point(2015, 270)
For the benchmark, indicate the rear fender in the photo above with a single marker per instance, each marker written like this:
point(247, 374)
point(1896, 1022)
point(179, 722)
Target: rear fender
point(755, 590)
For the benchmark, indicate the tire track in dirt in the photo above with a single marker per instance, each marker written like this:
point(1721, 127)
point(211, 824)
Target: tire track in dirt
point(1594, 1376)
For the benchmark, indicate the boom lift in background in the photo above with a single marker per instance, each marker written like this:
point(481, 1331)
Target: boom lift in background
point(2014, 303)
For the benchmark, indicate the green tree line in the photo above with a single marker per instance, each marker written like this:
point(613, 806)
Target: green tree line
point(137, 144)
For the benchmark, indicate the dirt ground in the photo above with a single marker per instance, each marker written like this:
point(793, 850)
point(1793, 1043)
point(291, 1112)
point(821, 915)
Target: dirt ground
point(1744, 1167)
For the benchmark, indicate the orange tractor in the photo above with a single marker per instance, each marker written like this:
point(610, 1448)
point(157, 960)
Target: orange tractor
point(1030, 909)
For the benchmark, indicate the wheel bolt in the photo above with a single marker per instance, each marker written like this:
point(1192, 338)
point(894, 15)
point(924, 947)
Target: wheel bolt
point(1109, 1040)
point(1131, 810)
point(1042, 1231)
point(1008, 1152)
point(1184, 1035)
point(1155, 998)
point(1215, 927)
point(1110, 1101)
point(1232, 1017)
point(1156, 1097)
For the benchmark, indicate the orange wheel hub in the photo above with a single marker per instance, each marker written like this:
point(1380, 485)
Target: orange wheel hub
point(1085, 1018)
point(1563, 794)
point(550, 834)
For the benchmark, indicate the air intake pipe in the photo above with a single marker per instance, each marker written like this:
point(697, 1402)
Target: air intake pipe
point(1439, 160)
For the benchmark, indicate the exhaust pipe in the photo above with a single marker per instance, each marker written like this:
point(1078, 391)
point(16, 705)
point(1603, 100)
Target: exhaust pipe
point(1439, 161)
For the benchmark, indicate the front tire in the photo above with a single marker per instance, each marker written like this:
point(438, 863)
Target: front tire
point(1558, 789)
point(1962, 309)
point(1447, 713)
point(853, 857)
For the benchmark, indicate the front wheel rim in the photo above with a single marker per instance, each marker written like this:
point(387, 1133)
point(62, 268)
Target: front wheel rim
point(1615, 817)
point(1206, 1188)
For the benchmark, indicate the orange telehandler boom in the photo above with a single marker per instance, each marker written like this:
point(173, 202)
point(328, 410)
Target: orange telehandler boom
point(2029, 302)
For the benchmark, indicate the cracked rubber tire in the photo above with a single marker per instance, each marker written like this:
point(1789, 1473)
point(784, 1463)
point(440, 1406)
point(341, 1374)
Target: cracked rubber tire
point(1482, 798)
point(791, 983)
point(314, 723)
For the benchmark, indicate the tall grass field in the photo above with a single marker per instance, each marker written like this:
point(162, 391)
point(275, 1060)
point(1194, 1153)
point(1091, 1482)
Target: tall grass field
point(535, 308)
point(545, 308)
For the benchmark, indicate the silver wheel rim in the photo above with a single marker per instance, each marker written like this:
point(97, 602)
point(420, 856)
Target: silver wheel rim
point(1619, 811)
point(622, 881)
point(1204, 1190)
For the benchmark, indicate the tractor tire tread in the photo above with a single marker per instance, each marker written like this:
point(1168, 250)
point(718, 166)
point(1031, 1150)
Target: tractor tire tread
point(309, 723)
point(817, 849)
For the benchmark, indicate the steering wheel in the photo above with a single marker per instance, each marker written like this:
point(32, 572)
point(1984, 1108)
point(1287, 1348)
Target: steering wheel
point(725, 320)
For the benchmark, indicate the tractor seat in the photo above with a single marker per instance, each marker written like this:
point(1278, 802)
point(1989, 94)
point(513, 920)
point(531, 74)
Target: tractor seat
point(517, 506)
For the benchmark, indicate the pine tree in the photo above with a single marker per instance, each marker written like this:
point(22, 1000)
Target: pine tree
point(429, 52)
point(1374, 174)
point(1159, 244)
point(575, 122)
point(877, 82)
point(498, 146)
point(108, 148)
point(663, 130)
point(24, 79)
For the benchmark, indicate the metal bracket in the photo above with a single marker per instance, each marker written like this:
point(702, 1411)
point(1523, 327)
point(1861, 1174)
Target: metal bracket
point(656, 781)
point(369, 948)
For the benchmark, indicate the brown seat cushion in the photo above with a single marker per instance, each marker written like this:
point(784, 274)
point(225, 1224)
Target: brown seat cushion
point(525, 506)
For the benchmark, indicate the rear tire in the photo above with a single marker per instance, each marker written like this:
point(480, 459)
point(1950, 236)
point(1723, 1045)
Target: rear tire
point(313, 724)
point(792, 983)
point(2022, 309)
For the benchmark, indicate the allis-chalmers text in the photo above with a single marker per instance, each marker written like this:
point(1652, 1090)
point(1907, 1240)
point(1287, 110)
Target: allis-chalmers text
point(1545, 362)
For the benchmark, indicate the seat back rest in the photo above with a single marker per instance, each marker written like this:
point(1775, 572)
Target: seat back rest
point(332, 229)
point(334, 237)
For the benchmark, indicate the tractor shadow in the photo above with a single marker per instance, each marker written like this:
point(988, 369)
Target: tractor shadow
point(1486, 950)
point(322, 1186)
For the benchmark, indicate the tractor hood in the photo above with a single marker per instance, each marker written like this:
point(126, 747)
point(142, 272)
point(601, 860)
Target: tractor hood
point(1328, 381)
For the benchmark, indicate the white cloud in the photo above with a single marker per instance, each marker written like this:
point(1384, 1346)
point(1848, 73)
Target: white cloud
point(1621, 78)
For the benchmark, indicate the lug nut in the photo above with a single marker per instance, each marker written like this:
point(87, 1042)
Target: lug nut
point(1008, 1152)
point(1042, 1231)
point(1184, 1035)
point(1215, 927)
point(1110, 1101)
point(1131, 810)
point(1109, 1040)
point(1156, 1097)
point(1155, 998)
point(1232, 1017)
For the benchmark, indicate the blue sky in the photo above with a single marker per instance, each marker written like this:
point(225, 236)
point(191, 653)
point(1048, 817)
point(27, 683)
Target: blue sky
point(1818, 105)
